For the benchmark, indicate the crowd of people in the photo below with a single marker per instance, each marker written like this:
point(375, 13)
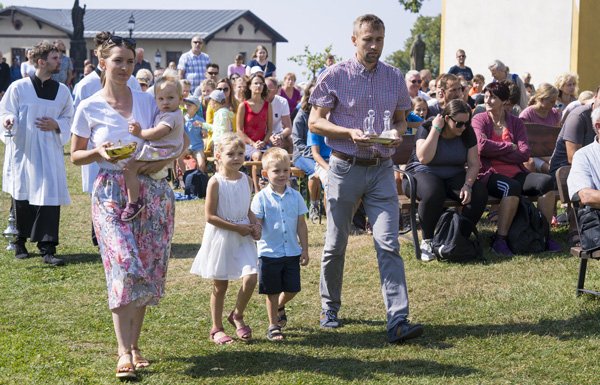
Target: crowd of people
point(471, 142)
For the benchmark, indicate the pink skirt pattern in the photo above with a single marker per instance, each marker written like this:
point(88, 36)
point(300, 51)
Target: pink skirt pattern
point(135, 254)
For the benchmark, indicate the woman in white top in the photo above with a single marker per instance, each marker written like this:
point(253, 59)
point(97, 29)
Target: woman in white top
point(28, 67)
point(134, 254)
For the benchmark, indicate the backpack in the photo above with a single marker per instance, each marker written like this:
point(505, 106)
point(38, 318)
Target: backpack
point(455, 238)
point(529, 230)
point(195, 183)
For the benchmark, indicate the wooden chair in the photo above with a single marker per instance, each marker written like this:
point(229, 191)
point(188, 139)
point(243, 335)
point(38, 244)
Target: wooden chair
point(561, 180)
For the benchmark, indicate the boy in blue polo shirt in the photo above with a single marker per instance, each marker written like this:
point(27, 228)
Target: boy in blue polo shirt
point(283, 246)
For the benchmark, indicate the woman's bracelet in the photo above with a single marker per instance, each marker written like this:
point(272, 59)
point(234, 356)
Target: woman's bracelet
point(438, 129)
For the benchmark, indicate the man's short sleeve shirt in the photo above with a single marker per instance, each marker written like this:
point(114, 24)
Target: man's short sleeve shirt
point(350, 91)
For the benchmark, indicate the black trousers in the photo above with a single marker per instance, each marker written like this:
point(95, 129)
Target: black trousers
point(39, 224)
point(432, 191)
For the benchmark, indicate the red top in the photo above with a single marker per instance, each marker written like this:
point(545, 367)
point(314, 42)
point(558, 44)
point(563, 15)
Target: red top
point(255, 124)
point(504, 168)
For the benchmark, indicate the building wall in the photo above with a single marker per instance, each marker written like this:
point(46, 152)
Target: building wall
point(222, 48)
point(531, 35)
point(585, 56)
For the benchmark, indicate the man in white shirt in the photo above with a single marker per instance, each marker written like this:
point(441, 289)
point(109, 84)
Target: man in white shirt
point(282, 123)
point(38, 111)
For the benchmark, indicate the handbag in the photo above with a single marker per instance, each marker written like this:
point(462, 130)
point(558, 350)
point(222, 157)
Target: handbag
point(588, 224)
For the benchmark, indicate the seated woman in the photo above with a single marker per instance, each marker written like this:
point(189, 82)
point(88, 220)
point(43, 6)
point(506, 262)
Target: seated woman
point(566, 84)
point(541, 110)
point(438, 166)
point(502, 143)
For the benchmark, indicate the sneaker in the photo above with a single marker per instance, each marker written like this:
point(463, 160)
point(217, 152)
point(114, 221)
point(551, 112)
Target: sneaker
point(552, 246)
point(329, 319)
point(313, 213)
point(501, 247)
point(20, 251)
point(52, 260)
point(427, 251)
point(406, 331)
point(132, 210)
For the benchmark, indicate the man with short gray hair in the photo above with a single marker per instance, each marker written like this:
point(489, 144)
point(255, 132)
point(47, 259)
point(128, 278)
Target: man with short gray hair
point(192, 64)
point(413, 82)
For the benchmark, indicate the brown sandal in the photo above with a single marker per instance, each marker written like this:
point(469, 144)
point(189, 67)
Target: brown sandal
point(138, 360)
point(125, 370)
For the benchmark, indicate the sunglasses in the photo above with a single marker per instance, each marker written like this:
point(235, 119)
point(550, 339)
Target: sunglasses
point(459, 124)
point(197, 42)
point(212, 73)
point(224, 89)
point(416, 81)
point(461, 56)
point(118, 40)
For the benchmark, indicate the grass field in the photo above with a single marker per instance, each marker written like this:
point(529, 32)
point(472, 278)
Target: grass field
point(512, 321)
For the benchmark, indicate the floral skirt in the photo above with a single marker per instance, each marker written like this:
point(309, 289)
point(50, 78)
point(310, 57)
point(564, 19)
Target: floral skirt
point(135, 254)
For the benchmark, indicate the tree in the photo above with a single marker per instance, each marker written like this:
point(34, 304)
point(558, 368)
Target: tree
point(413, 6)
point(430, 29)
point(312, 61)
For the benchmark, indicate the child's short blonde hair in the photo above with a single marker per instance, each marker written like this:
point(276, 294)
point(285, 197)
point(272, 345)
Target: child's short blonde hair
point(229, 140)
point(163, 82)
point(208, 83)
point(273, 156)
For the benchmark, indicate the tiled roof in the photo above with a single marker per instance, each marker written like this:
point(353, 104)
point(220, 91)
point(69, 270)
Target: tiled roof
point(149, 23)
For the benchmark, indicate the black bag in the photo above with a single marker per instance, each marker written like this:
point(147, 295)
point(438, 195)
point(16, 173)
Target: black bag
point(455, 238)
point(195, 183)
point(588, 223)
point(529, 230)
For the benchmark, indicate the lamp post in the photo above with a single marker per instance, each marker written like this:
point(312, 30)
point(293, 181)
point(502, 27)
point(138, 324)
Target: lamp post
point(157, 58)
point(131, 25)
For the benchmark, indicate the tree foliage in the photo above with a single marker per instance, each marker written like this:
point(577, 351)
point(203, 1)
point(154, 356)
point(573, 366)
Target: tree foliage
point(429, 27)
point(313, 62)
point(413, 6)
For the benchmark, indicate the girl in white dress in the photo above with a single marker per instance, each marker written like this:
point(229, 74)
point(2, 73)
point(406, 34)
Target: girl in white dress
point(228, 250)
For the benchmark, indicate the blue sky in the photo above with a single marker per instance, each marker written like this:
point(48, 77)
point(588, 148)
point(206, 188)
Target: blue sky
point(316, 23)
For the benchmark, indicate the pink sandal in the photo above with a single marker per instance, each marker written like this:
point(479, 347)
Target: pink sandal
point(224, 340)
point(245, 332)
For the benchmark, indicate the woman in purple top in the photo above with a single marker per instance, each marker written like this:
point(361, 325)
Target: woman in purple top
point(541, 110)
point(503, 147)
point(290, 93)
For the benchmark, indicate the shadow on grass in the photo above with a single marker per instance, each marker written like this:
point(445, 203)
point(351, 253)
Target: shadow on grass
point(185, 250)
point(248, 364)
point(73, 259)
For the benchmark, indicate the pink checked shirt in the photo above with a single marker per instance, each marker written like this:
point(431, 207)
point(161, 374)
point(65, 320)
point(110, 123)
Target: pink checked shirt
point(350, 91)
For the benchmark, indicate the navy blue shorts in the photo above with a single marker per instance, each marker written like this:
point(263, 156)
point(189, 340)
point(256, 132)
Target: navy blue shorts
point(278, 275)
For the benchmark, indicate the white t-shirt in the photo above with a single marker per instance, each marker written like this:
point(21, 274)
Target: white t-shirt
point(280, 108)
point(97, 120)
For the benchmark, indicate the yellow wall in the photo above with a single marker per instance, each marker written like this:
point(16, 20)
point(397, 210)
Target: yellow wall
point(585, 52)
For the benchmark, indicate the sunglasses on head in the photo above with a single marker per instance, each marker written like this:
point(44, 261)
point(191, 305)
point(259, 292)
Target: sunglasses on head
point(118, 40)
point(459, 124)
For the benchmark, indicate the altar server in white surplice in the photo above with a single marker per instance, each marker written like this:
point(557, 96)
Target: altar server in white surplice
point(40, 111)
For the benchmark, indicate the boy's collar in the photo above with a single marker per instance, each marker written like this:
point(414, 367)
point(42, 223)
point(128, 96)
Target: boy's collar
point(275, 192)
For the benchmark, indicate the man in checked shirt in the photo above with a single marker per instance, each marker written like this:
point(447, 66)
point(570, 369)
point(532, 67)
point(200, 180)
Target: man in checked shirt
point(362, 170)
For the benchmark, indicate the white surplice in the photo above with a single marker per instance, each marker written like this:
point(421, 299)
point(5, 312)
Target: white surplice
point(38, 162)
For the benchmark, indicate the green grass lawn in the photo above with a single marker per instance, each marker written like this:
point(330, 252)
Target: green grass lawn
point(512, 321)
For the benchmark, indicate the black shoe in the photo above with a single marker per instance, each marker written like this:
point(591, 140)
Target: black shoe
point(21, 252)
point(52, 260)
point(405, 331)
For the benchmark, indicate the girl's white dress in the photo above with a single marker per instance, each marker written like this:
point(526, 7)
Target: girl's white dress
point(224, 254)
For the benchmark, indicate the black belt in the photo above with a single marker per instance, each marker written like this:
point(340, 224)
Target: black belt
point(359, 161)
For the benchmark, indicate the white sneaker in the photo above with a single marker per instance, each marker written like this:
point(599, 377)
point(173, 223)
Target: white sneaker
point(427, 251)
point(313, 213)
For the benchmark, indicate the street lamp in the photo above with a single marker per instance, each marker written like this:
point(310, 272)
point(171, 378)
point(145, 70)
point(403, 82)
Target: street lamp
point(131, 25)
point(157, 58)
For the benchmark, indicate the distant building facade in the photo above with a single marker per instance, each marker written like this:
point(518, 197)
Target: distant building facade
point(225, 32)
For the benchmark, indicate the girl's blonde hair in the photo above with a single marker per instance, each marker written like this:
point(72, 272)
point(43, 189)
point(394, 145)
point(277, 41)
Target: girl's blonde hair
point(563, 79)
point(544, 91)
point(208, 82)
point(229, 140)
